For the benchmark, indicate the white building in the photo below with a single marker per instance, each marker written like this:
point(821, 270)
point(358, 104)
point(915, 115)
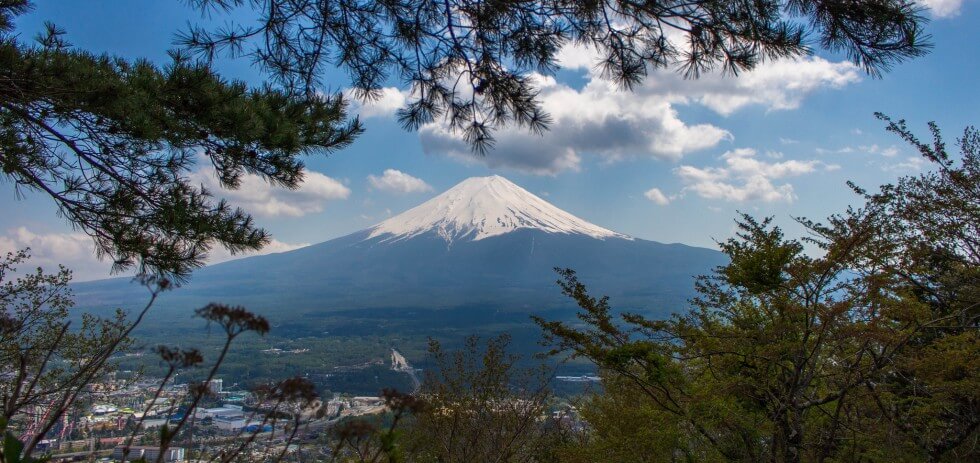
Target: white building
point(103, 409)
point(228, 412)
point(135, 452)
point(154, 423)
point(230, 424)
point(215, 386)
point(234, 425)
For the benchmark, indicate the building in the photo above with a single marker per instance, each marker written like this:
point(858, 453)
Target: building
point(215, 386)
point(334, 406)
point(230, 424)
point(104, 409)
point(135, 452)
point(233, 425)
point(367, 401)
point(227, 412)
point(153, 423)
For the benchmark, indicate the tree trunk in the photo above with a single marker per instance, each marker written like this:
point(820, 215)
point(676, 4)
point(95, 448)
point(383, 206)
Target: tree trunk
point(788, 439)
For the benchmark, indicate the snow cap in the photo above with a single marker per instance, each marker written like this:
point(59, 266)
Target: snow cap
point(482, 207)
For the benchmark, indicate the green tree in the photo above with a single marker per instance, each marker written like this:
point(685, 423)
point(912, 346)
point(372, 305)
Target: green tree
point(767, 349)
point(625, 427)
point(112, 141)
point(483, 406)
point(475, 404)
point(45, 364)
point(926, 247)
point(373, 440)
point(787, 357)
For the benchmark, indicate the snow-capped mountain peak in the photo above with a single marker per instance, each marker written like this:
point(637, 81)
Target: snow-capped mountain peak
point(482, 207)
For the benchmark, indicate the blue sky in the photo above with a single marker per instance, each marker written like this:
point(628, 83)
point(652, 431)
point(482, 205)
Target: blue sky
point(672, 162)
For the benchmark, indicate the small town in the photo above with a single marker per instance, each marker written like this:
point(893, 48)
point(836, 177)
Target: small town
point(127, 414)
point(124, 417)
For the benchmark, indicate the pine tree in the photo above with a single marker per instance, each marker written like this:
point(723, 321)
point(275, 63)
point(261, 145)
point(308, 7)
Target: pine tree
point(112, 142)
point(470, 61)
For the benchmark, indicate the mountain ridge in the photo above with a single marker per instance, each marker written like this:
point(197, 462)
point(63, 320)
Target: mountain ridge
point(443, 255)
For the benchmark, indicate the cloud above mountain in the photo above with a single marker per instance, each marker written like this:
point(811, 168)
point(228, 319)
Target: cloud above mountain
point(396, 181)
point(657, 196)
point(599, 120)
point(775, 85)
point(602, 120)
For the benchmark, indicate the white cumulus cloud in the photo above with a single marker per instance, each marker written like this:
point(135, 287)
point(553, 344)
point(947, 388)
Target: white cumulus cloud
point(396, 181)
point(657, 196)
point(384, 104)
point(775, 85)
point(599, 119)
point(943, 8)
point(76, 251)
point(258, 197)
point(744, 177)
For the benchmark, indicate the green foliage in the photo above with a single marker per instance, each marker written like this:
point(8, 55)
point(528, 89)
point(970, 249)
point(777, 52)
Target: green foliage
point(37, 348)
point(52, 369)
point(12, 450)
point(924, 248)
point(625, 427)
point(12, 447)
point(367, 440)
point(759, 257)
point(470, 62)
point(112, 142)
point(47, 364)
point(476, 404)
point(482, 406)
point(866, 353)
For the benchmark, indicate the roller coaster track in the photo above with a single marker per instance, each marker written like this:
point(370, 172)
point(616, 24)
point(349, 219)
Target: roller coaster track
point(399, 363)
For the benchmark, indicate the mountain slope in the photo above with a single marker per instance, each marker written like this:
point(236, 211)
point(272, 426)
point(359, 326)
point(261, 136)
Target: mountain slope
point(485, 243)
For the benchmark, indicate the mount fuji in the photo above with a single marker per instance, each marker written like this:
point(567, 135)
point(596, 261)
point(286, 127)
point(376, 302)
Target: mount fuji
point(484, 207)
point(485, 243)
